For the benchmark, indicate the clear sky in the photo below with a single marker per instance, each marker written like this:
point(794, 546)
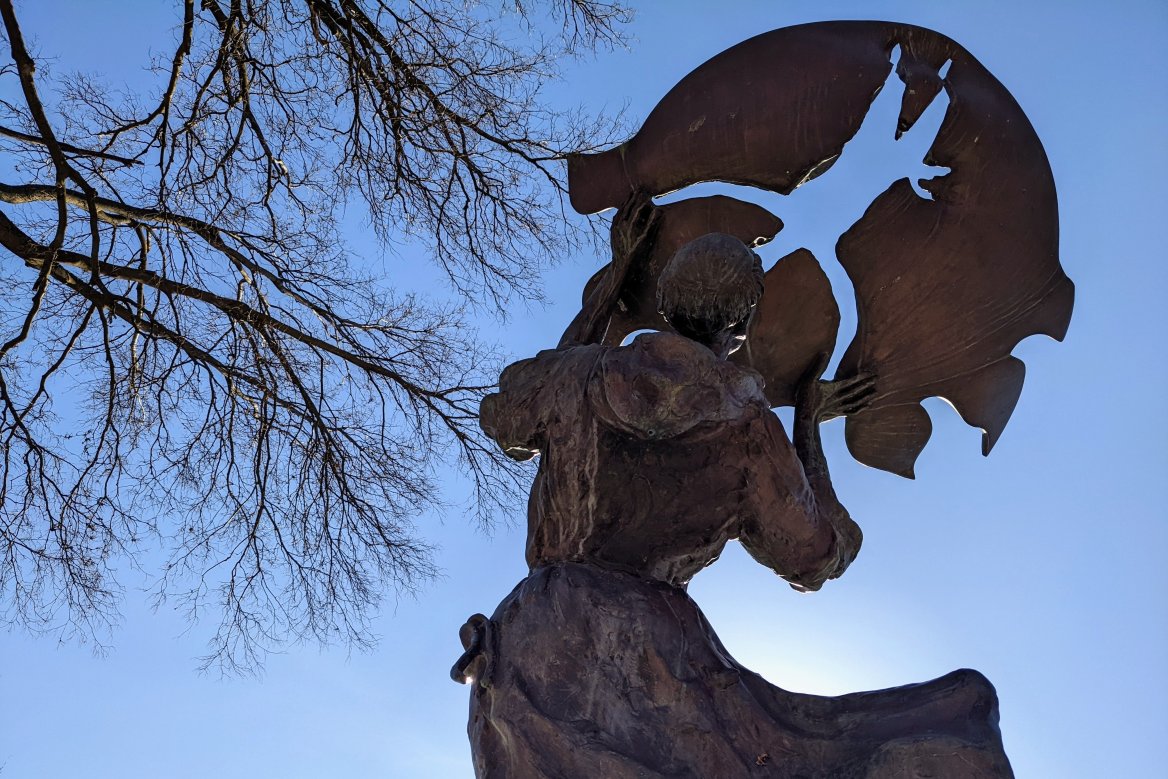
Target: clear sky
point(1041, 566)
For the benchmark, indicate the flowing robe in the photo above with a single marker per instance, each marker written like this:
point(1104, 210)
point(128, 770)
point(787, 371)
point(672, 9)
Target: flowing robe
point(652, 457)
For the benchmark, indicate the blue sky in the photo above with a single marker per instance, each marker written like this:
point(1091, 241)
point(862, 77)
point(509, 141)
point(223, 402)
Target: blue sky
point(1040, 566)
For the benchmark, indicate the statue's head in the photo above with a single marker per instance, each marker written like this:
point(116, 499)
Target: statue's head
point(708, 290)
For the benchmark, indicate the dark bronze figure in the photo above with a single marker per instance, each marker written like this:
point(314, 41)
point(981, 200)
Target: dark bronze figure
point(655, 454)
point(945, 287)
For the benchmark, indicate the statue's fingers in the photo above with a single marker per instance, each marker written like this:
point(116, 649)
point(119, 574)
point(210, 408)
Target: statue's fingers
point(642, 222)
point(642, 205)
point(647, 222)
point(860, 390)
point(655, 215)
point(860, 380)
point(857, 395)
point(631, 211)
point(856, 405)
point(848, 394)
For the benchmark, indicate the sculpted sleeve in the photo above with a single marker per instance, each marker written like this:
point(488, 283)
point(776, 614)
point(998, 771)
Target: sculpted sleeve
point(534, 392)
point(787, 530)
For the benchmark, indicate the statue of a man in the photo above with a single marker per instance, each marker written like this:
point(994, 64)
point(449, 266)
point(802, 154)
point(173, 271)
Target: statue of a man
point(652, 456)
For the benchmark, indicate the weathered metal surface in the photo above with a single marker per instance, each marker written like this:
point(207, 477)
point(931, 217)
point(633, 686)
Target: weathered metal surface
point(679, 224)
point(797, 317)
point(596, 673)
point(656, 454)
point(945, 288)
point(652, 457)
point(797, 320)
point(772, 112)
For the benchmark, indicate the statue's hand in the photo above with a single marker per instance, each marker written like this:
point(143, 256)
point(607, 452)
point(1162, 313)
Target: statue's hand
point(634, 229)
point(818, 400)
point(845, 397)
point(846, 545)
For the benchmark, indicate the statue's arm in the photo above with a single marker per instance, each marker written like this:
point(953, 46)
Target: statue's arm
point(511, 416)
point(799, 528)
point(794, 524)
point(634, 229)
point(534, 392)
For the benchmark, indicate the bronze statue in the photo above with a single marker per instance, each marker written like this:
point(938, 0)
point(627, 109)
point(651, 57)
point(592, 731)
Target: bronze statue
point(653, 455)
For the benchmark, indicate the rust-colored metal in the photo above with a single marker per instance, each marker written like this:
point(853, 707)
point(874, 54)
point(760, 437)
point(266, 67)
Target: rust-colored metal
point(772, 112)
point(679, 224)
point(654, 455)
point(797, 318)
point(796, 321)
point(945, 288)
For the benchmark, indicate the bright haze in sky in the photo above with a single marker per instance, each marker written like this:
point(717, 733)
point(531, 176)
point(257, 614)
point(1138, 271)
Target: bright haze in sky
point(1040, 566)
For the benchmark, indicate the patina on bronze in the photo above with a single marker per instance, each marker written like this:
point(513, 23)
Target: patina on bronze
point(655, 454)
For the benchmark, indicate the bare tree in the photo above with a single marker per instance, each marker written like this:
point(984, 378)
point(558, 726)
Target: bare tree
point(191, 356)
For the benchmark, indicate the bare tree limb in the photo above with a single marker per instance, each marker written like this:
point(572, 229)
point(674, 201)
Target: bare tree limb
point(192, 355)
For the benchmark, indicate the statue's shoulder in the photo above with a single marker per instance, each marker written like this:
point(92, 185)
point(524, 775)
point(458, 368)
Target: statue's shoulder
point(664, 384)
point(688, 362)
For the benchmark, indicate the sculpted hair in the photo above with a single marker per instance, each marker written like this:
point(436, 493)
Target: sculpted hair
point(710, 284)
